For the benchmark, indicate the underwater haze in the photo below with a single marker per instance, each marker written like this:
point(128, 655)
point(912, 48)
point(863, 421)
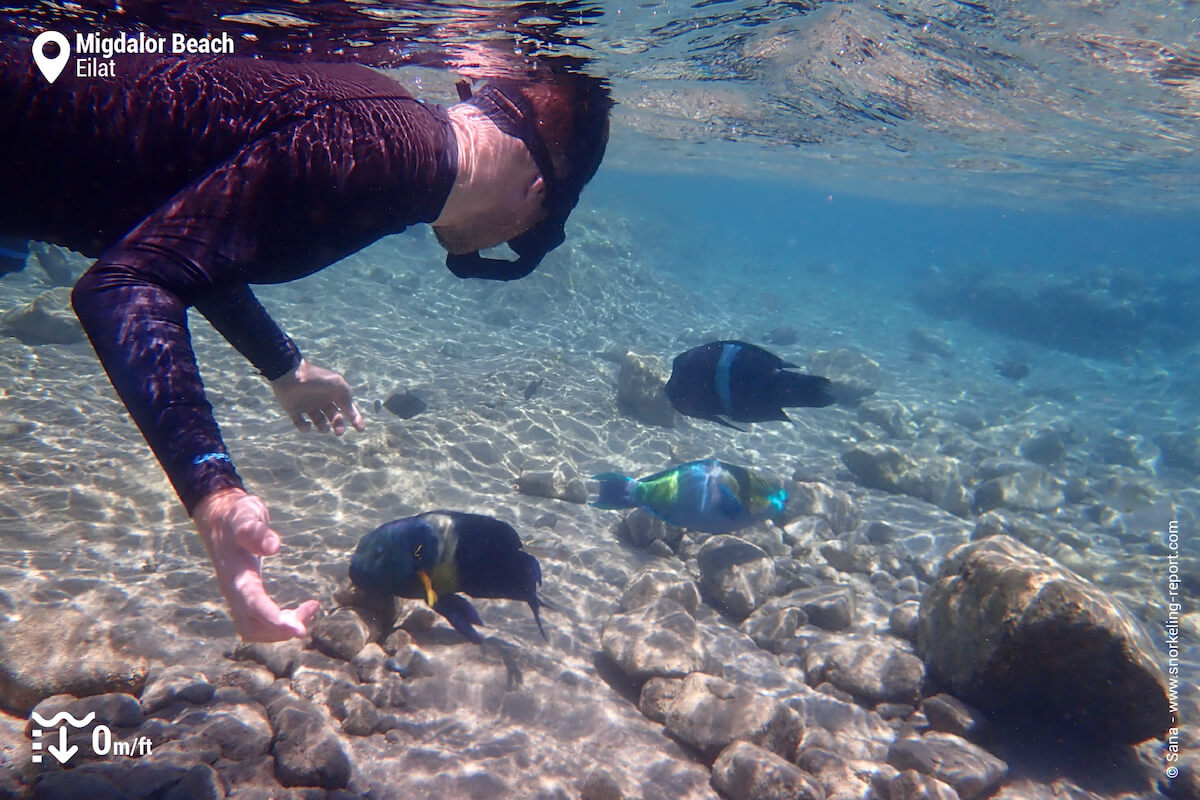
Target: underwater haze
point(979, 220)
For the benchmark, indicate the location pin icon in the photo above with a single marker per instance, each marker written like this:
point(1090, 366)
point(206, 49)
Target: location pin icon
point(51, 67)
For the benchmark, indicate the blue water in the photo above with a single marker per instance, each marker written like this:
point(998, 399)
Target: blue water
point(790, 226)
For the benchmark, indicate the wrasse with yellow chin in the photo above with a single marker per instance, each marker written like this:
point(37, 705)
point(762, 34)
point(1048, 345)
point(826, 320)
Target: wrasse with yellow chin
point(437, 554)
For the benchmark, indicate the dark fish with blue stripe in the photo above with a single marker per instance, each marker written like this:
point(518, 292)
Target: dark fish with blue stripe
point(734, 380)
point(439, 553)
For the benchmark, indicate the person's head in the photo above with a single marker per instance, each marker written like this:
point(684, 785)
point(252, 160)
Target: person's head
point(563, 123)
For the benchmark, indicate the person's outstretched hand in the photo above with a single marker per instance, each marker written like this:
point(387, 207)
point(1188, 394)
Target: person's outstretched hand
point(236, 531)
point(313, 393)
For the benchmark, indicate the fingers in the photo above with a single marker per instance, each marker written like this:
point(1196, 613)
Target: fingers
point(318, 398)
point(238, 563)
point(335, 419)
point(258, 619)
point(237, 533)
point(330, 418)
point(300, 617)
point(345, 404)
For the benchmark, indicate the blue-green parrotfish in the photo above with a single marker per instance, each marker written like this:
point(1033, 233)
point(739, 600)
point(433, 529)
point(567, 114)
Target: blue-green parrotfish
point(742, 382)
point(439, 553)
point(709, 495)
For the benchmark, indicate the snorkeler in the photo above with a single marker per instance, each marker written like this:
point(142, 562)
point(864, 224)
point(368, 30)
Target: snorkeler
point(193, 178)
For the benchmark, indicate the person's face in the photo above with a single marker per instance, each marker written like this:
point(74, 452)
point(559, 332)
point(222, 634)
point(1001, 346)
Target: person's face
point(504, 197)
point(517, 204)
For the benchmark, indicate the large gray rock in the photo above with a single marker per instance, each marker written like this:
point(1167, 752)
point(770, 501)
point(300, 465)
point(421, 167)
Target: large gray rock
point(872, 671)
point(776, 623)
point(822, 500)
point(237, 731)
point(651, 584)
point(936, 479)
point(656, 640)
point(1019, 636)
point(1127, 450)
point(49, 319)
point(904, 619)
point(114, 709)
point(745, 771)
point(710, 713)
point(279, 657)
point(62, 267)
point(889, 415)
point(843, 557)
point(736, 577)
point(839, 777)
point(641, 390)
point(656, 697)
point(948, 714)
point(341, 634)
point(307, 750)
point(64, 651)
point(855, 732)
point(1030, 489)
point(561, 483)
point(854, 376)
point(175, 684)
point(640, 528)
point(773, 627)
point(912, 785)
point(117, 781)
point(931, 342)
point(1046, 447)
point(602, 784)
point(1181, 449)
point(969, 770)
point(830, 608)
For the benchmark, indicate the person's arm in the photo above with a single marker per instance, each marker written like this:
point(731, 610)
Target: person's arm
point(304, 391)
point(238, 316)
point(285, 206)
point(133, 306)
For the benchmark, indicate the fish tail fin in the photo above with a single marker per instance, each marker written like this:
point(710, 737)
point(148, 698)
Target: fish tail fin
point(616, 491)
point(798, 389)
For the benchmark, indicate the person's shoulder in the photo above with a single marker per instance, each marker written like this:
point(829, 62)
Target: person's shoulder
point(346, 81)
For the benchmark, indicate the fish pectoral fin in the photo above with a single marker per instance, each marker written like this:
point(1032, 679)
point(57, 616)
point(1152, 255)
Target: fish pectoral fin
point(461, 615)
point(729, 504)
point(431, 596)
point(721, 421)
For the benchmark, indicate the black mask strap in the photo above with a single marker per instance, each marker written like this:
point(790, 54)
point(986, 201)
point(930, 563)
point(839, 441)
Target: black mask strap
point(473, 265)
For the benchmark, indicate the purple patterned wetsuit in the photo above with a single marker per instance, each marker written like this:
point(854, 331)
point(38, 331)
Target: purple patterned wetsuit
point(192, 179)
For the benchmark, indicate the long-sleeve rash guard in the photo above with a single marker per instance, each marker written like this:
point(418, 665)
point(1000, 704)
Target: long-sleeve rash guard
point(192, 179)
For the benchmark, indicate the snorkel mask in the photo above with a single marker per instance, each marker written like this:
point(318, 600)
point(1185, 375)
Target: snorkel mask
point(512, 112)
